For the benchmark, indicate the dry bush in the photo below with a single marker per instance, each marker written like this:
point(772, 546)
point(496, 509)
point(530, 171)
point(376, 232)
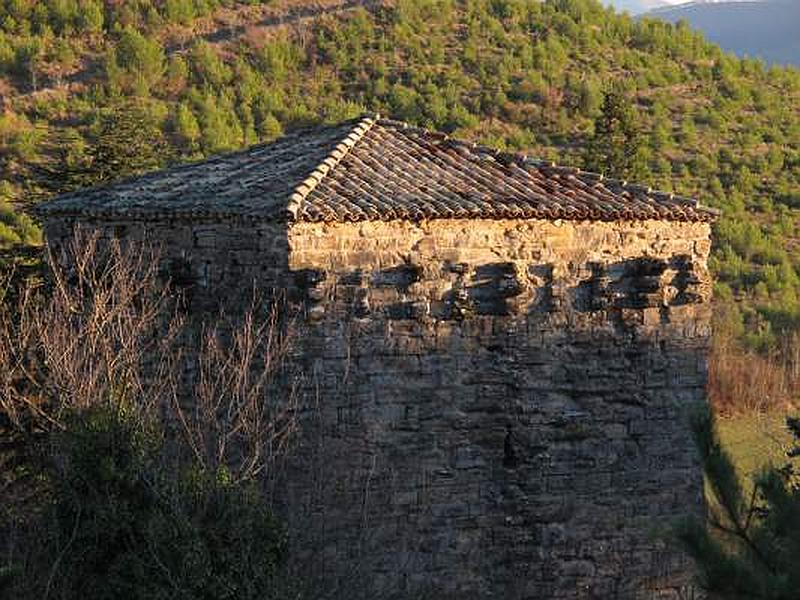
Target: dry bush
point(742, 380)
point(87, 338)
point(107, 330)
point(230, 421)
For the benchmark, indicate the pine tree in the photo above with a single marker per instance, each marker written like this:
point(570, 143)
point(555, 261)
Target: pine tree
point(63, 155)
point(126, 141)
point(142, 58)
point(221, 130)
point(270, 128)
point(91, 16)
point(179, 11)
point(616, 146)
point(186, 127)
point(750, 546)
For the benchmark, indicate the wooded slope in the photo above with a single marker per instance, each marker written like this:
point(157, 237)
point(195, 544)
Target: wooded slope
point(526, 75)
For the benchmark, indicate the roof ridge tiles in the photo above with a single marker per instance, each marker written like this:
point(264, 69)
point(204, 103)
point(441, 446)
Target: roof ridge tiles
point(523, 160)
point(334, 157)
point(375, 168)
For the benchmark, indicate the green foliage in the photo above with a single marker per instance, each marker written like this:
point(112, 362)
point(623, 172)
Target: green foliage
point(615, 148)
point(750, 546)
point(221, 130)
point(19, 138)
point(126, 140)
point(124, 521)
point(16, 228)
point(186, 127)
point(270, 128)
point(141, 59)
point(522, 75)
point(179, 11)
point(91, 16)
point(208, 69)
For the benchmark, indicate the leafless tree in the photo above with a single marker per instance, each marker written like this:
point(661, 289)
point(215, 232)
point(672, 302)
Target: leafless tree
point(108, 330)
point(227, 422)
point(86, 339)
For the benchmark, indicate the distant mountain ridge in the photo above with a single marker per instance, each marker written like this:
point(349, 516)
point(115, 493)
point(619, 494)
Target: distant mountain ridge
point(660, 6)
point(636, 7)
point(767, 29)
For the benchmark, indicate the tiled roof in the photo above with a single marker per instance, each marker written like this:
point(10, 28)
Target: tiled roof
point(375, 169)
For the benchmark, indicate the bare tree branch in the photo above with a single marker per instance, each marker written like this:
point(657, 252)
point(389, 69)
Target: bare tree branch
point(107, 330)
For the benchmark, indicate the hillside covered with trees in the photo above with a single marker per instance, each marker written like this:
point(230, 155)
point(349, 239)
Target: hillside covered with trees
point(103, 495)
point(191, 78)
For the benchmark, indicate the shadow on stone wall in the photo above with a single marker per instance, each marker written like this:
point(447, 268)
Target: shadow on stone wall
point(515, 436)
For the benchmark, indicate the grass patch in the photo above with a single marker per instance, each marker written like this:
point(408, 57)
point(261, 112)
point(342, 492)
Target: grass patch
point(755, 440)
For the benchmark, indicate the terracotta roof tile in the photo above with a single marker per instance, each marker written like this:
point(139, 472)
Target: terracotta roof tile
point(375, 169)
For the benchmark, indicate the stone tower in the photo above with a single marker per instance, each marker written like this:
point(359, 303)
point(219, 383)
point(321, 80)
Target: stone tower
point(499, 354)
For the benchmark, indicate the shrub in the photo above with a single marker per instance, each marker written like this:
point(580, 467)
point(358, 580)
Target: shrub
point(750, 545)
point(742, 380)
point(123, 522)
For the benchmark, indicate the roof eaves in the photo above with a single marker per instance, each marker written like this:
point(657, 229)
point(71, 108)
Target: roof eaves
point(334, 157)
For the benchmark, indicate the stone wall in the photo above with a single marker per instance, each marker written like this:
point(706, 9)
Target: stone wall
point(490, 408)
point(500, 407)
point(219, 266)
